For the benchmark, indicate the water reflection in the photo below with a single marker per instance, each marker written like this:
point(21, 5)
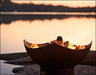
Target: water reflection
point(75, 30)
point(6, 69)
point(7, 19)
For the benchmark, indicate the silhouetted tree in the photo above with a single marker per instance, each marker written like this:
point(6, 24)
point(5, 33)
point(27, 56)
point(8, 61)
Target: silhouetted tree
point(7, 5)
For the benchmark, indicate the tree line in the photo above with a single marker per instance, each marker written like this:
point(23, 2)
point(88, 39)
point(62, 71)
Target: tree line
point(7, 5)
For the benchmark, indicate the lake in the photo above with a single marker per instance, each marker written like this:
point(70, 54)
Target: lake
point(6, 69)
point(77, 29)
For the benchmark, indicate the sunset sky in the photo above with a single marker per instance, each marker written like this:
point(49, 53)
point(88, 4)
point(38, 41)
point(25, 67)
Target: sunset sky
point(71, 3)
point(77, 30)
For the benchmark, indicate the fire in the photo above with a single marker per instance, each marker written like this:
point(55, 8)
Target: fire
point(76, 47)
point(71, 46)
point(80, 47)
point(34, 46)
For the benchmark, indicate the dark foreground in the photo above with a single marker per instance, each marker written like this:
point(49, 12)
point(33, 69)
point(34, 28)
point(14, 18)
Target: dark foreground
point(35, 70)
point(86, 67)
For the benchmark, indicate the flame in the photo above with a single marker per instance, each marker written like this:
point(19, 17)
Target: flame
point(80, 47)
point(71, 46)
point(34, 46)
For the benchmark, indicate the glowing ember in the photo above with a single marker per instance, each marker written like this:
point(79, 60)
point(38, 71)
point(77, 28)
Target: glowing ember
point(71, 46)
point(68, 45)
point(34, 46)
point(80, 47)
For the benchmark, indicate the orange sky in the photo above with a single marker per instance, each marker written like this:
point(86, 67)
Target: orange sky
point(72, 3)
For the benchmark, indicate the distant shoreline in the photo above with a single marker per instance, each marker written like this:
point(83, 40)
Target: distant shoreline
point(7, 5)
point(50, 13)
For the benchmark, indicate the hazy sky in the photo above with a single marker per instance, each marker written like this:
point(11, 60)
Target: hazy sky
point(72, 3)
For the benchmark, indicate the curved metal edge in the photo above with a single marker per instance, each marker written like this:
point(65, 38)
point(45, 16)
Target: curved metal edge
point(27, 44)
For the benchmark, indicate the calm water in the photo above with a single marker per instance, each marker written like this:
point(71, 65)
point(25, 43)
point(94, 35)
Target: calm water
point(6, 69)
point(48, 13)
point(78, 29)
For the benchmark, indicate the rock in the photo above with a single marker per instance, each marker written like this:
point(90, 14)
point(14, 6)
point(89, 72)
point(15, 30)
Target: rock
point(20, 60)
point(32, 70)
point(28, 70)
point(18, 70)
point(85, 70)
point(35, 70)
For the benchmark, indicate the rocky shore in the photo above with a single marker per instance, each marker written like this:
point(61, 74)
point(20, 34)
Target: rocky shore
point(86, 67)
point(35, 70)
